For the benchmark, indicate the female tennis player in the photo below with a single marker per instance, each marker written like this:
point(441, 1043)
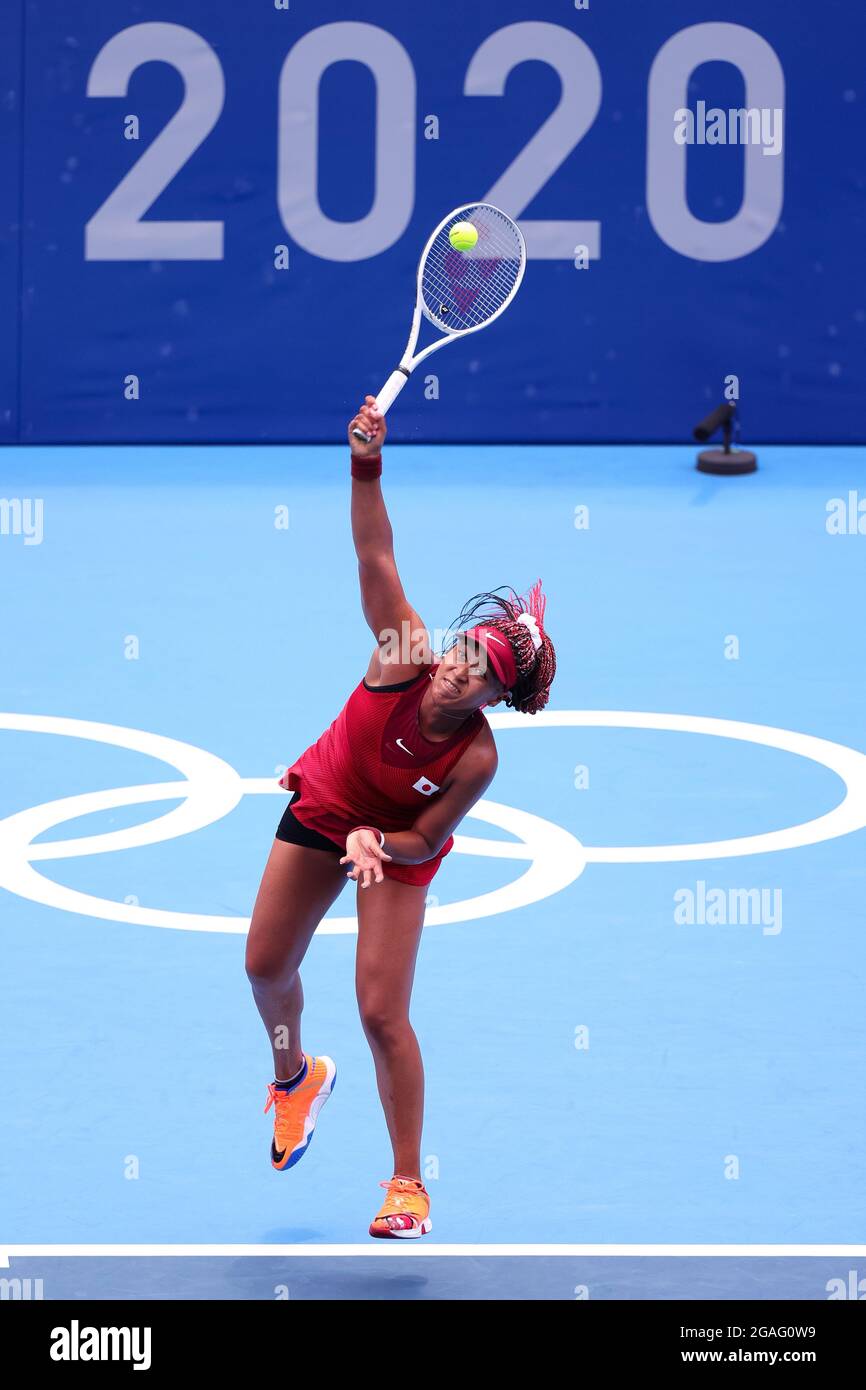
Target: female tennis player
point(376, 799)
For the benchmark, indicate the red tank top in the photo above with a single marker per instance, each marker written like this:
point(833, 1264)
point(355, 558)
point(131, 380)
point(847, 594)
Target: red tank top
point(373, 766)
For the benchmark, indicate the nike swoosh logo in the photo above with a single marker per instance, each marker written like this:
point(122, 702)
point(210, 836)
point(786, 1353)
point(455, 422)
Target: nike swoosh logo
point(400, 744)
point(488, 637)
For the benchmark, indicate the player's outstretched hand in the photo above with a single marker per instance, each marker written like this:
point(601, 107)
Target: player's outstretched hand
point(371, 420)
point(365, 855)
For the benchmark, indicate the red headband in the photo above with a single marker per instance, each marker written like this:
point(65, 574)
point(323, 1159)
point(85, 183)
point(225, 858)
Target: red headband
point(499, 652)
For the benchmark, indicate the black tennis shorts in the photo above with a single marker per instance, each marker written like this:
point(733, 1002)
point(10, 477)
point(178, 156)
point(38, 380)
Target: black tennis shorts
point(291, 830)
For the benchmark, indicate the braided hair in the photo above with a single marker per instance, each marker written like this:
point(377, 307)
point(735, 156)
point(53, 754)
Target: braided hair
point(535, 669)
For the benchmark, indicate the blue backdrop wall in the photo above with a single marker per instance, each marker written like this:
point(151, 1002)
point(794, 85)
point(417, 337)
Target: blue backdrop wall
point(212, 213)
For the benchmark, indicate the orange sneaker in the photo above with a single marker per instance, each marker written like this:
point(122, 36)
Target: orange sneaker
point(297, 1111)
point(405, 1213)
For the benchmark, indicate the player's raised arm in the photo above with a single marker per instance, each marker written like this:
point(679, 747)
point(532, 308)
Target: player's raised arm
point(401, 637)
point(371, 528)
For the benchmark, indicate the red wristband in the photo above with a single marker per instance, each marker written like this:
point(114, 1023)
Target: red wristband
point(369, 466)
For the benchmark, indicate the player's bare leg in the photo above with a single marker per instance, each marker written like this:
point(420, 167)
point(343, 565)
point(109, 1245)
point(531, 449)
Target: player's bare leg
point(390, 918)
point(297, 888)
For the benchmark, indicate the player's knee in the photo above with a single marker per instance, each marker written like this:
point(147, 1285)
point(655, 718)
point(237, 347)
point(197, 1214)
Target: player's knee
point(265, 967)
point(383, 1023)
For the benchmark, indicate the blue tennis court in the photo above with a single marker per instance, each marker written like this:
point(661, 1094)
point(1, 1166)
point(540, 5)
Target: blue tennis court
point(639, 994)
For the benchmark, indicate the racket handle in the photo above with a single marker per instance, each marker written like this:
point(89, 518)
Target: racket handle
point(386, 397)
point(392, 388)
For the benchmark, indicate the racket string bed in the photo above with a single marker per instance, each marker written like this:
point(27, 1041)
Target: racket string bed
point(471, 286)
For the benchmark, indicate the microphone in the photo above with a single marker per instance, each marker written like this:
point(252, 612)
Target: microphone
point(722, 415)
point(724, 461)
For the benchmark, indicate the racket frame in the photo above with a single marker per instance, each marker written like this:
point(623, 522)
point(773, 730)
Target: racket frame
point(407, 364)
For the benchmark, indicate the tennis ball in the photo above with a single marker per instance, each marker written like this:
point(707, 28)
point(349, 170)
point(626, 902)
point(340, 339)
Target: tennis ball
point(463, 236)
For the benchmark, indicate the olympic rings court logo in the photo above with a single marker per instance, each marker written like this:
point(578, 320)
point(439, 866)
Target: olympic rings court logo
point(209, 788)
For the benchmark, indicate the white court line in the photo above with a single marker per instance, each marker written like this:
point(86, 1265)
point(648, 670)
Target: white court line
point(418, 1250)
point(210, 788)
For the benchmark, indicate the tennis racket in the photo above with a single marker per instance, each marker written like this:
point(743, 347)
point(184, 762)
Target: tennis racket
point(460, 291)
